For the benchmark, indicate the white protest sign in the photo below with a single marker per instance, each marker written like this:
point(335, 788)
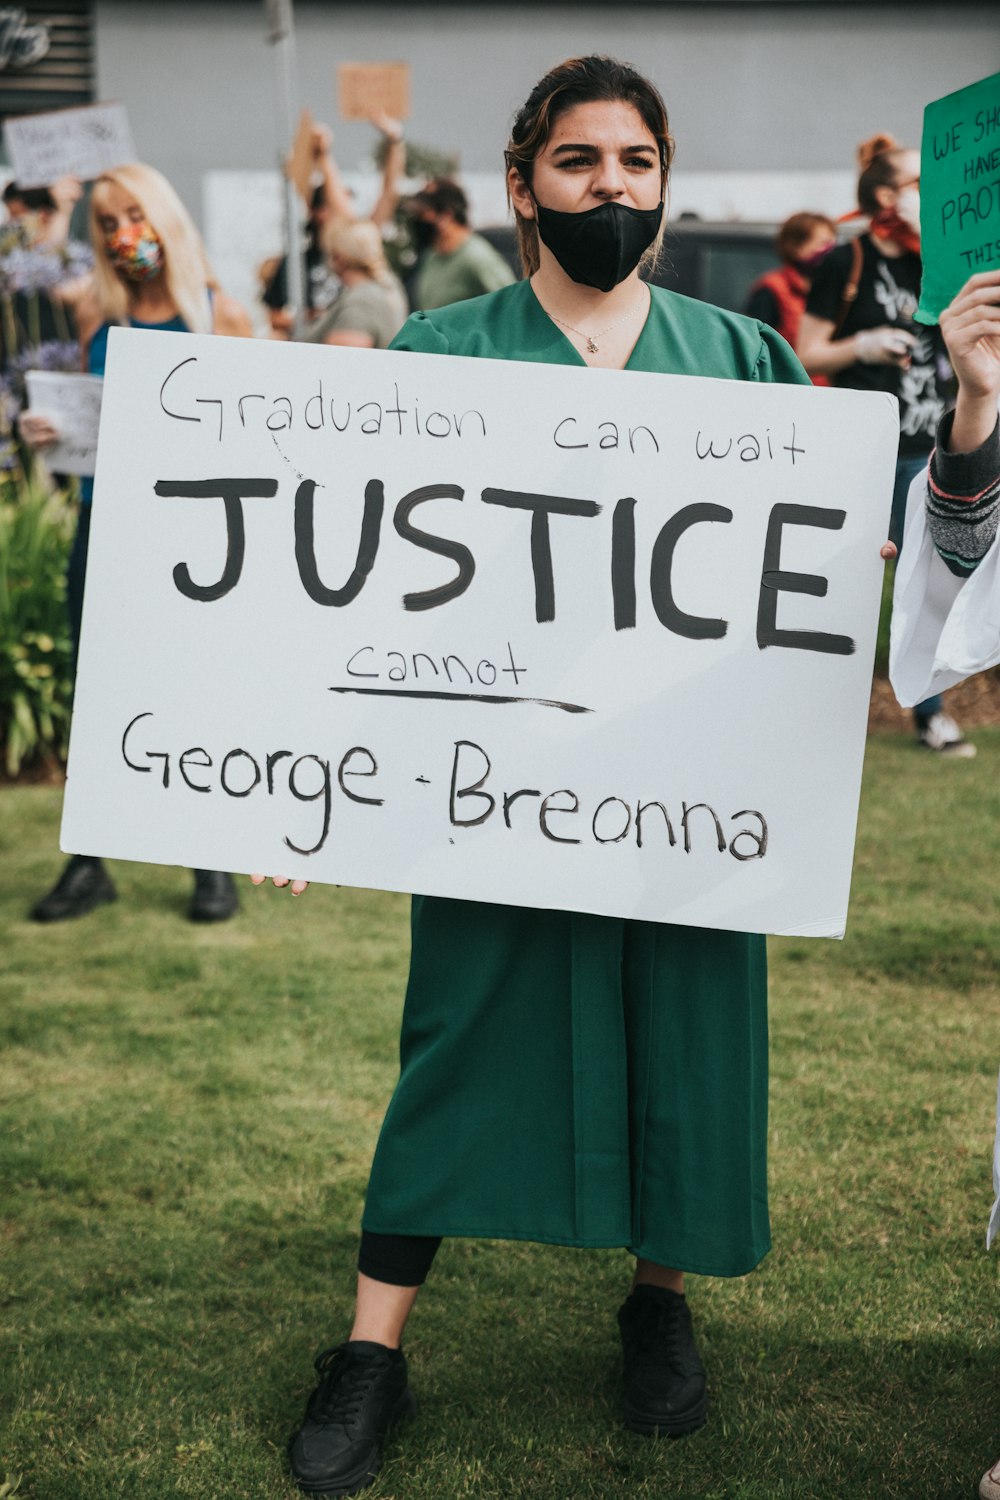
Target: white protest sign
point(72, 404)
point(81, 142)
point(519, 633)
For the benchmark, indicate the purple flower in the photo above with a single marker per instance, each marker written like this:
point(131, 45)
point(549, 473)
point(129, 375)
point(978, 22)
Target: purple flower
point(55, 354)
point(28, 269)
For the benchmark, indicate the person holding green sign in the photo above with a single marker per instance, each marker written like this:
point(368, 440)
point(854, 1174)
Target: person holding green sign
point(946, 619)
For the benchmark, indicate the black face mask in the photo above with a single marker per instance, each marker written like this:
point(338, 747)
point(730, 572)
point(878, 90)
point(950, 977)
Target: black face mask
point(600, 246)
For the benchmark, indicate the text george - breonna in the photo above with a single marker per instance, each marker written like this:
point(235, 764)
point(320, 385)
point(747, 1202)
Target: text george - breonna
point(507, 632)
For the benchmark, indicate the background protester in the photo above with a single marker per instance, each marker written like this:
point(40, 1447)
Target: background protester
point(331, 202)
point(512, 1014)
point(371, 306)
point(778, 298)
point(43, 272)
point(859, 329)
point(455, 263)
point(150, 272)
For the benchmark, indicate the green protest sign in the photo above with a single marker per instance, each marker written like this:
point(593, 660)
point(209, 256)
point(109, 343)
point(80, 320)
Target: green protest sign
point(959, 192)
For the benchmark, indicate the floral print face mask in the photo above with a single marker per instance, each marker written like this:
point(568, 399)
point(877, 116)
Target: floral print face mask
point(135, 251)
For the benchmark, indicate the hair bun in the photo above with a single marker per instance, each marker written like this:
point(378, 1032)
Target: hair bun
point(876, 145)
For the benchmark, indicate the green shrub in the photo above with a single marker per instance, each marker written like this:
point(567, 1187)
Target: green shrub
point(36, 684)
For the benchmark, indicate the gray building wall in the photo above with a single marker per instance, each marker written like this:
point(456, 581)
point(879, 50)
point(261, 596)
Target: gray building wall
point(750, 87)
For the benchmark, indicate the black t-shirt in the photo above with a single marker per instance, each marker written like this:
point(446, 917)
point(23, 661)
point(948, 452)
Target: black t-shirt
point(888, 293)
point(321, 286)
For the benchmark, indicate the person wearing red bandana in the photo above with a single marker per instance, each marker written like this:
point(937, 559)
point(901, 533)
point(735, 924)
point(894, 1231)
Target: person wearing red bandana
point(859, 330)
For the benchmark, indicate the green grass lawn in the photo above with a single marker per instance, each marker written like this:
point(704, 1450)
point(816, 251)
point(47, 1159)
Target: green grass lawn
point(188, 1116)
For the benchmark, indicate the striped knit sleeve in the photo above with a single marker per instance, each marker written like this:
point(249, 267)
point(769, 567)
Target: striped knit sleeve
point(963, 500)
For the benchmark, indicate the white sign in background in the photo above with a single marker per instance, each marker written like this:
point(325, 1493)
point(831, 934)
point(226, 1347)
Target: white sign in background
point(80, 142)
point(72, 404)
point(410, 658)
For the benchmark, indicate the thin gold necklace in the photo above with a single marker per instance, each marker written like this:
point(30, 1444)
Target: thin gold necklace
point(593, 347)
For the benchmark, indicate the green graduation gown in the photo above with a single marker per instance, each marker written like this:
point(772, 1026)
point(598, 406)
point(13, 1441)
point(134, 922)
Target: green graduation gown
point(568, 1078)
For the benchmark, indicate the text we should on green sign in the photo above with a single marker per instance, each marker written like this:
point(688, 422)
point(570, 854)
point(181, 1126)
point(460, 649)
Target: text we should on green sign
point(959, 192)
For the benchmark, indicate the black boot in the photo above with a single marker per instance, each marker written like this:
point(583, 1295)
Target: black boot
point(83, 885)
point(664, 1378)
point(214, 898)
point(361, 1394)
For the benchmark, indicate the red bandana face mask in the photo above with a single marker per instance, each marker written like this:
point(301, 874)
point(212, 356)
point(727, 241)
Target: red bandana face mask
point(901, 223)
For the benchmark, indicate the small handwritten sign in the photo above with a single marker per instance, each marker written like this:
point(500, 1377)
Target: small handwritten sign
point(81, 142)
point(366, 89)
point(959, 193)
point(72, 404)
point(515, 632)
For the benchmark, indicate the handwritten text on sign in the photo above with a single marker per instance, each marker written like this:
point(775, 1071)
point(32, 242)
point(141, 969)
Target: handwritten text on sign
point(81, 142)
point(959, 192)
point(519, 633)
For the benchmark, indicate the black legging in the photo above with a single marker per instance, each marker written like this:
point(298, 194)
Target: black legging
point(398, 1259)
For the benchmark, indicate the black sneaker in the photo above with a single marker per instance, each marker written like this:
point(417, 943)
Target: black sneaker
point(361, 1394)
point(214, 898)
point(83, 885)
point(664, 1377)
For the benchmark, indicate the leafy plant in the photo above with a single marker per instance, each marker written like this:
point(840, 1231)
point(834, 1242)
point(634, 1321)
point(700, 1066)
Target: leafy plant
point(36, 685)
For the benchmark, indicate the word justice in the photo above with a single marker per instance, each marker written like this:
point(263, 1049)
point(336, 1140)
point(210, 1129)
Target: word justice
point(774, 579)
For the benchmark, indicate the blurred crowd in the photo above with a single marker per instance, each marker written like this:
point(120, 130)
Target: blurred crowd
point(843, 294)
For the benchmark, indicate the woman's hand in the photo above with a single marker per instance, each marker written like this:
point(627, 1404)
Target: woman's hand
point(888, 551)
point(298, 886)
point(37, 431)
point(971, 329)
point(387, 126)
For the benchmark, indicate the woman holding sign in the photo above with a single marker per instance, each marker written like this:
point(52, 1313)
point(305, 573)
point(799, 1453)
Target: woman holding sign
point(567, 1078)
point(150, 271)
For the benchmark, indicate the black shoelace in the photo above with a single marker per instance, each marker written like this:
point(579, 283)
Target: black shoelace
point(347, 1379)
point(658, 1336)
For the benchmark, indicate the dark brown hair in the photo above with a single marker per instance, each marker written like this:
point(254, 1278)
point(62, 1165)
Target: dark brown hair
point(878, 164)
point(442, 195)
point(581, 80)
point(795, 231)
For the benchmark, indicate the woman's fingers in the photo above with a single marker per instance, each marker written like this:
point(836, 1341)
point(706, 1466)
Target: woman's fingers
point(298, 886)
point(888, 551)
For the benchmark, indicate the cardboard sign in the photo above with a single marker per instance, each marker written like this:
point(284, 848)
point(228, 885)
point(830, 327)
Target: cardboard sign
point(72, 404)
point(366, 89)
point(521, 633)
point(959, 193)
point(80, 143)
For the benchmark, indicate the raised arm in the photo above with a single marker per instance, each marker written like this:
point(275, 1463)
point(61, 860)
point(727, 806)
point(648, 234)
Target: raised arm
point(963, 484)
point(393, 167)
point(971, 329)
point(339, 200)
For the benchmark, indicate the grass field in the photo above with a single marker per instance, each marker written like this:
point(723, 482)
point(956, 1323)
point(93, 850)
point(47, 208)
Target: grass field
point(188, 1117)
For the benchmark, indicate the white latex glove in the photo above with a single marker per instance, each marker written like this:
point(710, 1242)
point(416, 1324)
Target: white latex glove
point(884, 346)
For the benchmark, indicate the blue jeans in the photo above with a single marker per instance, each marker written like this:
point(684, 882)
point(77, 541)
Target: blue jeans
point(908, 466)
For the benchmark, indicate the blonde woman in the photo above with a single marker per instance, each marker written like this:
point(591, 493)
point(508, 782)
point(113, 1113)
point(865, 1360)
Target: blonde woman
point(371, 307)
point(151, 271)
